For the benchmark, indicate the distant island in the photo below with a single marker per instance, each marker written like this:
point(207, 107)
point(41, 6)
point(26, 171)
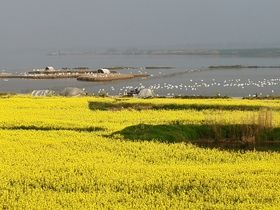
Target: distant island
point(258, 52)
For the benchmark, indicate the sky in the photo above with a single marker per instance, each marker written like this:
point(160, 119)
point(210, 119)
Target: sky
point(90, 24)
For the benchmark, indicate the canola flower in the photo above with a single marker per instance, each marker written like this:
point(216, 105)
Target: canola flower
point(56, 153)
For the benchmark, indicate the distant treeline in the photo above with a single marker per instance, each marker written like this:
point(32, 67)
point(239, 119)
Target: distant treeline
point(261, 52)
point(258, 52)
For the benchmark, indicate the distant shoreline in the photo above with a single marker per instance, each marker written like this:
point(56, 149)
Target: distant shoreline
point(250, 52)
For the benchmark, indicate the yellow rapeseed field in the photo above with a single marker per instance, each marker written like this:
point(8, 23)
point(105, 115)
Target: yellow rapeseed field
point(61, 153)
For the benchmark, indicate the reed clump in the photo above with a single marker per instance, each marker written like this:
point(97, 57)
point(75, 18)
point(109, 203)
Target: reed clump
point(255, 129)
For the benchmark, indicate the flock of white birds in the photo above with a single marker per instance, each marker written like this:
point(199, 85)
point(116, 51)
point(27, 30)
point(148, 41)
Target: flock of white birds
point(191, 87)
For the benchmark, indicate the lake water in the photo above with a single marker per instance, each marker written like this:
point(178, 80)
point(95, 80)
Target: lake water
point(190, 75)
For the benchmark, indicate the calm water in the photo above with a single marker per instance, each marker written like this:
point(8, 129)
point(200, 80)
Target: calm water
point(189, 77)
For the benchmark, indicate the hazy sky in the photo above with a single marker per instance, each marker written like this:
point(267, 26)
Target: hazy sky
point(86, 24)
